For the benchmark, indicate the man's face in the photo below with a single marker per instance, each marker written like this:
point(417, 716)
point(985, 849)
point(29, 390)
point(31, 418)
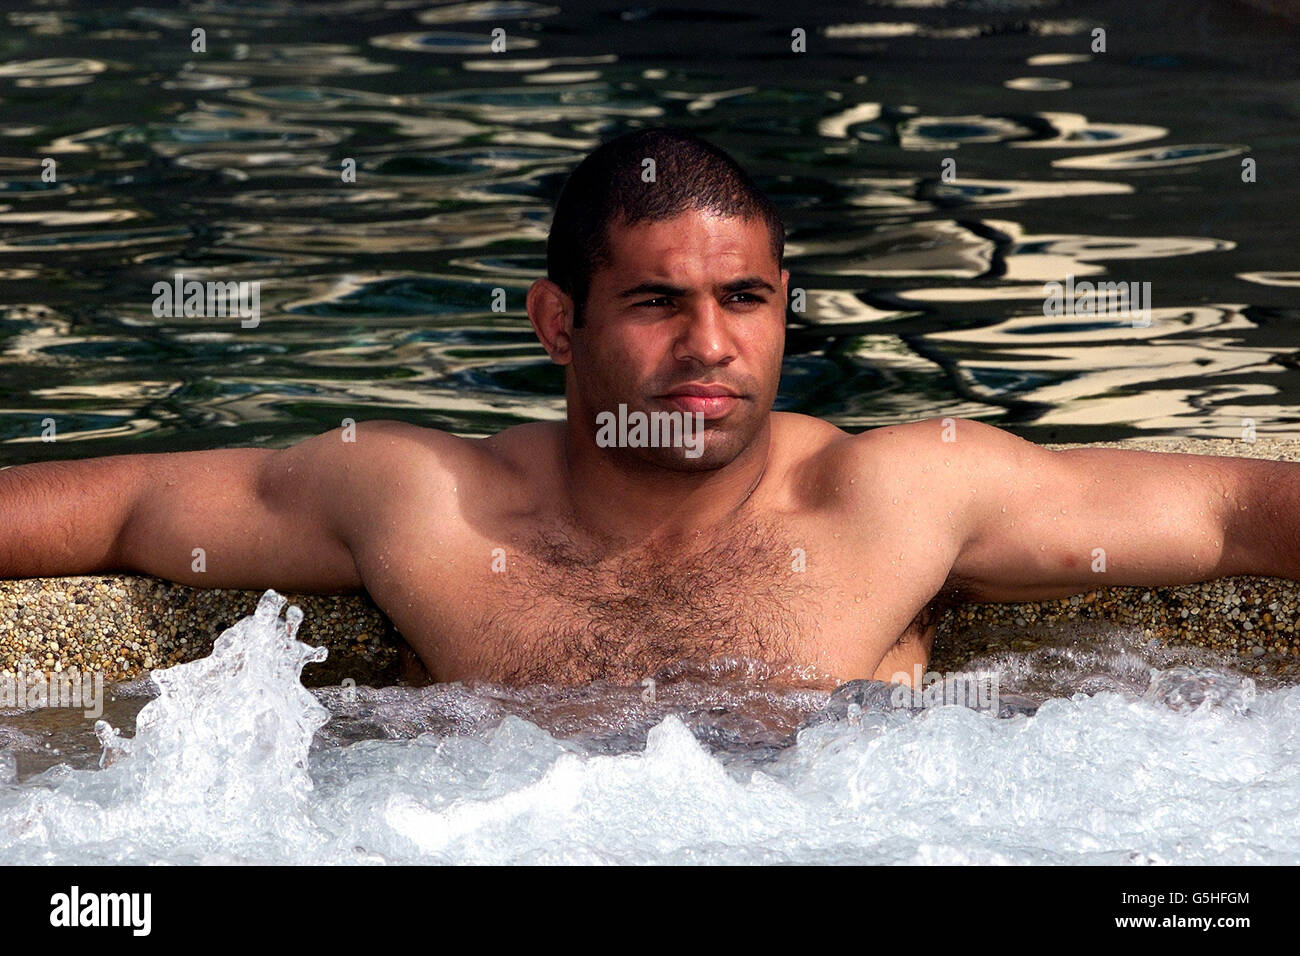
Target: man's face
point(686, 307)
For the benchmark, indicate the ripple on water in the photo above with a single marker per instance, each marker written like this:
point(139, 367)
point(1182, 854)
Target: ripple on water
point(943, 132)
point(1152, 158)
point(51, 67)
point(490, 10)
point(449, 43)
point(1037, 84)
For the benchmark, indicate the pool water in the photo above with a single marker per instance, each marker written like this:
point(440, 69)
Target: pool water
point(924, 296)
point(1165, 758)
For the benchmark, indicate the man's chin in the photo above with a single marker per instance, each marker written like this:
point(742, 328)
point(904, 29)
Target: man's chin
point(710, 450)
point(690, 443)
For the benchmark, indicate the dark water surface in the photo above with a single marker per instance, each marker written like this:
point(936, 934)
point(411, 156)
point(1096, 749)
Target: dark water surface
point(924, 297)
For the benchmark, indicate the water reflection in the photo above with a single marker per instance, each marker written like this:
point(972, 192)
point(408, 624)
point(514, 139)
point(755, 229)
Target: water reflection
point(927, 158)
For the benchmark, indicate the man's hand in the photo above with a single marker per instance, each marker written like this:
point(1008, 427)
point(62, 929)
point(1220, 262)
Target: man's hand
point(1027, 523)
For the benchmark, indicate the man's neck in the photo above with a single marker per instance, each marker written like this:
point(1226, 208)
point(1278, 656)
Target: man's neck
point(615, 496)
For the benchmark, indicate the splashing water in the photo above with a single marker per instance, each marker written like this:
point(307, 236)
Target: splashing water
point(235, 761)
point(219, 759)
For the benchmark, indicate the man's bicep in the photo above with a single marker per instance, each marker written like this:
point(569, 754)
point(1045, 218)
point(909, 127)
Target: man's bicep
point(207, 519)
point(1041, 524)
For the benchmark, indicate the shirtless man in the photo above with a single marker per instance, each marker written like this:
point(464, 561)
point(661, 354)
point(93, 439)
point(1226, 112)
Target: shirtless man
point(543, 554)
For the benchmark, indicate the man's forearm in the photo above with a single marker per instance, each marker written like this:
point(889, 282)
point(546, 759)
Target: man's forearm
point(1262, 536)
point(65, 517)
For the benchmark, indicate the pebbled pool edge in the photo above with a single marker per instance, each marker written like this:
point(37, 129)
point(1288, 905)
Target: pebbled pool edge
point(127, 625)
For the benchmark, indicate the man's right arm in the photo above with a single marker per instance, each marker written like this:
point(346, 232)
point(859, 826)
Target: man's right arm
point(238, 518)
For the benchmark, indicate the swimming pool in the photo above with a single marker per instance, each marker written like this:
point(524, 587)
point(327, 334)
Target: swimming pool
point(924, 298)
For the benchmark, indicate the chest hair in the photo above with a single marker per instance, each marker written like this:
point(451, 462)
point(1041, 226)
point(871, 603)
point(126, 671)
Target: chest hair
point(574, 612)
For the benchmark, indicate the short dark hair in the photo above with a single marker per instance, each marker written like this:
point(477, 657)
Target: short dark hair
point(690, 173)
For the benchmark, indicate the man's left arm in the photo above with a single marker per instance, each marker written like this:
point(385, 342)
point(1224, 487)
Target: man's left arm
point(1031, 523)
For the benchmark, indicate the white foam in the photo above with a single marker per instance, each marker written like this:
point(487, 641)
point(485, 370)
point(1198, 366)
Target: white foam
point(1196, 767)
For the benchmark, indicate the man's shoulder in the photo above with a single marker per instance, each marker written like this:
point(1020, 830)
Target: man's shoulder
point(945, 436)
point(380, 455)
point(920, 456)
point(392, 439)
point(386, 443)
point(821, 445)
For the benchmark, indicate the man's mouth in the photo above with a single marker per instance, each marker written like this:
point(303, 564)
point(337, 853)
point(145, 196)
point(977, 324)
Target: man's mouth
point(712, 401)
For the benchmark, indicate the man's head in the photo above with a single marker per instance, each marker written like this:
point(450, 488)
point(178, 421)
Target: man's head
point(664, 268)
point(610, 186)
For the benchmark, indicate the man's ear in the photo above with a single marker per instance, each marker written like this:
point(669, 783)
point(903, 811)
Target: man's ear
point(551, 312)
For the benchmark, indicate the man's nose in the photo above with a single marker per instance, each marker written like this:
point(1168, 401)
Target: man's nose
point(706, 335)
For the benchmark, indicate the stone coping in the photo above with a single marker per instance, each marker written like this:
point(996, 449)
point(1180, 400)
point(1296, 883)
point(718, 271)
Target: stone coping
point(126, 625)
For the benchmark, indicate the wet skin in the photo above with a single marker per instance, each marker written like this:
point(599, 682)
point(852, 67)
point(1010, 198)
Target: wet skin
point(534, 554)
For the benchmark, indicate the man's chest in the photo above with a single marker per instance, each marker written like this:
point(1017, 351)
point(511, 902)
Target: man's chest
point(536, 606)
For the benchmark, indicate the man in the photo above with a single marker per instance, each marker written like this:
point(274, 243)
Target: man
point(574, 551)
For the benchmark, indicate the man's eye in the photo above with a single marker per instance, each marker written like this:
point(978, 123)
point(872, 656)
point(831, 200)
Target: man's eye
point(663, 301)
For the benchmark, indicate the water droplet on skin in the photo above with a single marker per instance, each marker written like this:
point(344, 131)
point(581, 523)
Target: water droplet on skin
point(895, 501)
point(1004, 508)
